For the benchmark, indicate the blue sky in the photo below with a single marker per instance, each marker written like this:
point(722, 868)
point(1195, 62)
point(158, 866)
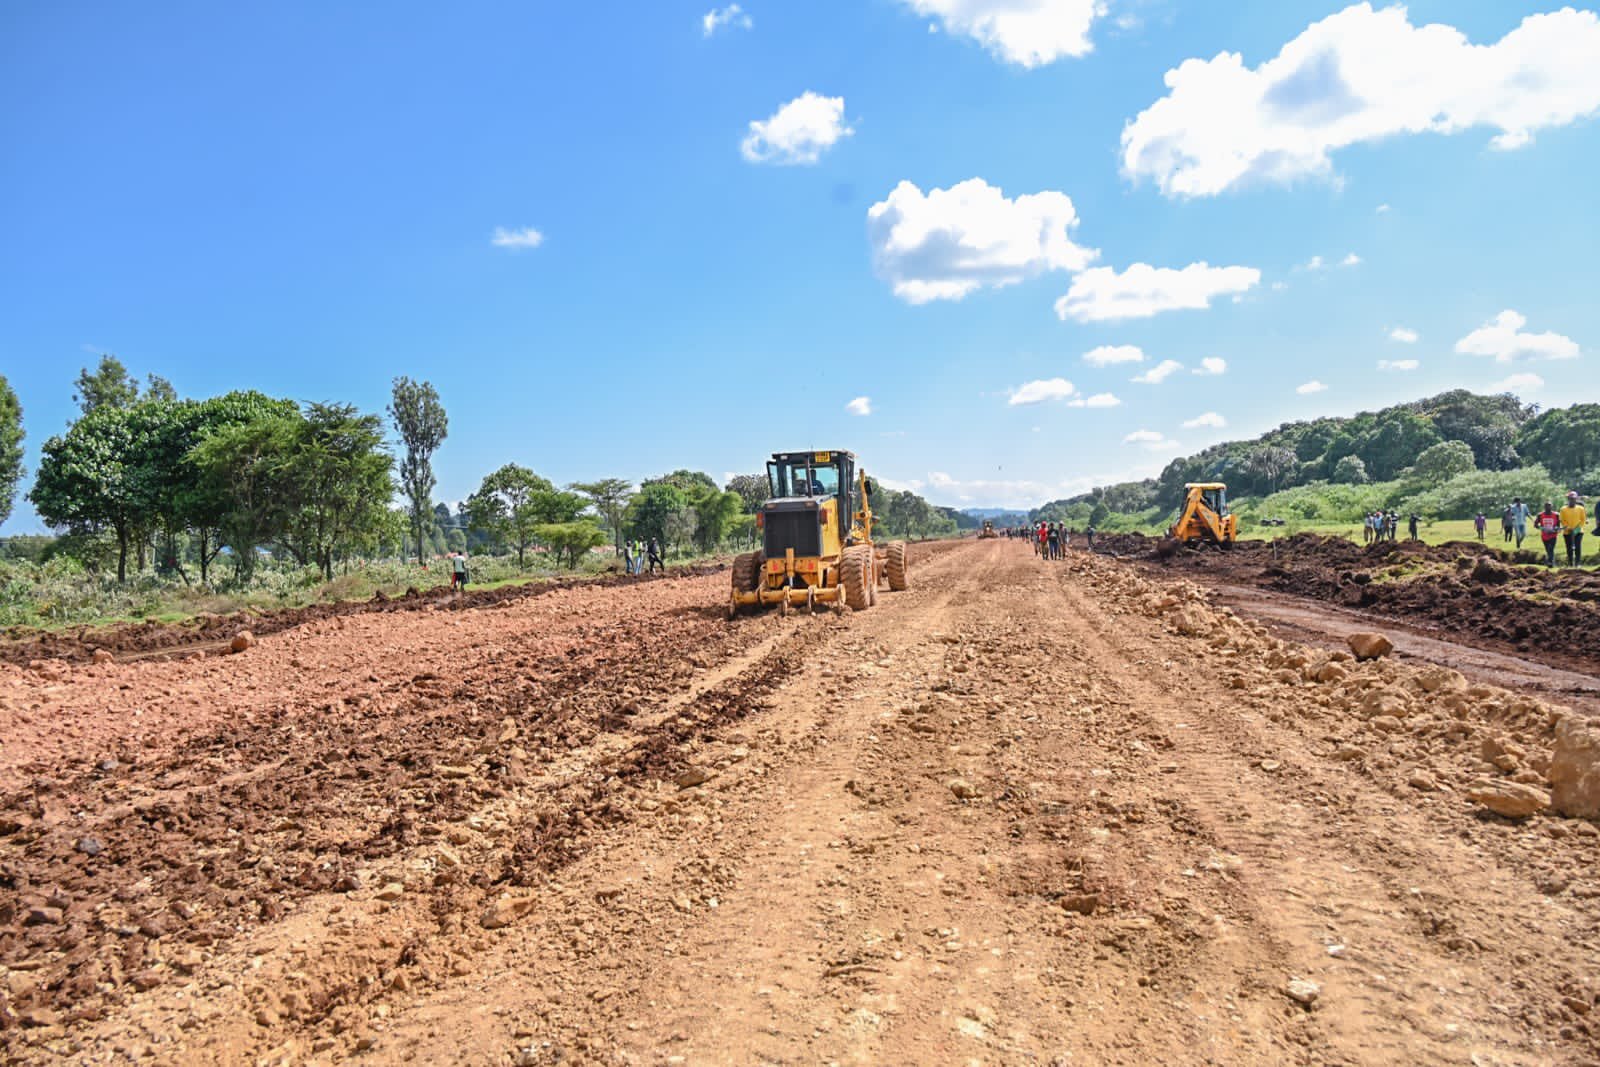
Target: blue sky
point(302, 198)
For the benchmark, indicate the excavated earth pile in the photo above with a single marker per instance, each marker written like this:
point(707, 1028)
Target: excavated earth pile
point(1463, 588)
point(1023, 812)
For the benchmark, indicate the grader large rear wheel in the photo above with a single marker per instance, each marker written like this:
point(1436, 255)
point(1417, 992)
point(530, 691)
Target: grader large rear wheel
point(855, 575)
point(899, 576)
point(746, 572)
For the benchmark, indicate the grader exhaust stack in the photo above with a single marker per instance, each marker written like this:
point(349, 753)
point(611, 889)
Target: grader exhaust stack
point(816, 539)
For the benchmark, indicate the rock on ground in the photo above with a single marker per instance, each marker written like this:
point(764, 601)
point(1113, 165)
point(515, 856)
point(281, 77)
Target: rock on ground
point(1575, 769)
point(1368, 645)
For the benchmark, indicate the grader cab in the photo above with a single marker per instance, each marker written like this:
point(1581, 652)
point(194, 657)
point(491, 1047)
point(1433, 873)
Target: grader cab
point(816, 539)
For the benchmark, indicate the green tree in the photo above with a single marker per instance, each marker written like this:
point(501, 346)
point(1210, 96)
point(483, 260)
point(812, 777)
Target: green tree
point(336, 480)
point(158, 388)
point(753, 489)
point(690, 483)
point(609, 497)
point(420, 419)
point(1350, 470)
point(1439, 463)
point(1394, 444)
point(653, 510)
point(10, 447)
point(89, 482)
point(511, 504)
point(570, 540)
point(200, 503)
point(1565, 440)
point(1269, 463)
point(109, 386)
point(241, 467)
point(714, 512)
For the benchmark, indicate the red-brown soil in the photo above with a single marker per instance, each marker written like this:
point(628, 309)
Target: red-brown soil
point(1465, 590)
point(1021, 813)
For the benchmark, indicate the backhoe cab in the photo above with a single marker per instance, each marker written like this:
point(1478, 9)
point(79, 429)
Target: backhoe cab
point(1205, 517)
point(816, 538)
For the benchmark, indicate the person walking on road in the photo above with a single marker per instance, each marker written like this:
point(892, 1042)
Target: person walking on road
point(1042, 540)
point(1519, 519)
point(1480, 523)
point(1573, 516)
point(653, 549)
point(1053, 536)
point(1548, 523)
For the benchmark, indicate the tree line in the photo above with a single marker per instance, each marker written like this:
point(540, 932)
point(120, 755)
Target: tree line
point(1412, 448)
point(147, 478)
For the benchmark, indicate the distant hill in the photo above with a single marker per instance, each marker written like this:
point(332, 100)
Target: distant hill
point(1500, 432)
point(999, 516)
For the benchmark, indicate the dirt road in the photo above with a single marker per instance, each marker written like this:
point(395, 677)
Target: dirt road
point(1022, 813)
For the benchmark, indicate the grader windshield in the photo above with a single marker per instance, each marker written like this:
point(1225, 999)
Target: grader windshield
point(803, 475)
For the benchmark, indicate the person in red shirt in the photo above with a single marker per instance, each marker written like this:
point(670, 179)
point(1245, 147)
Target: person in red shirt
point(1044, 538)
point(1548, 523)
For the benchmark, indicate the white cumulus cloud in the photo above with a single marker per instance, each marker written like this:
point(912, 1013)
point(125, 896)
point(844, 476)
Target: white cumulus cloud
point(527, 237)
point(1404, 335)
point(1313, 386)
point(861, 405)
point(1098, 400)
point(1038, 392)
point(1028, 33)
point(1398, 364)
point(1357, 76)
point(946, 243)
point(1518, 383)
point(798, 132)
point(1212, 365)
point(1106, 355)
point(1159, 373)
point(1152, 440)
point(724, 17)
point(1351, 260)
point(1503, 340)
point(1102, 294)
point(1209, 421)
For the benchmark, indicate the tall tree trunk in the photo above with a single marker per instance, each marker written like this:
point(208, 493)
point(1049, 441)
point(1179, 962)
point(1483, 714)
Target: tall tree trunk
point(205, 564)
point(122, 554)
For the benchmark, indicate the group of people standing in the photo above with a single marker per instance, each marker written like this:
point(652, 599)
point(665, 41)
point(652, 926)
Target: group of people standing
point(1052, 539)
point(638, 554)
point(1564, 527)
point(1385, 526)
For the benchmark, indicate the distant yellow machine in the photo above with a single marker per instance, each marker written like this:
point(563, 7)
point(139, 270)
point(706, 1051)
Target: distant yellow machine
point(988, 529)
point(1205, 517)
point(816, 539)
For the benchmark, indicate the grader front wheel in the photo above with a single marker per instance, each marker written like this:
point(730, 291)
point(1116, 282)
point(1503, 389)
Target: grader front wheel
point(899, 576)
point(855, 575)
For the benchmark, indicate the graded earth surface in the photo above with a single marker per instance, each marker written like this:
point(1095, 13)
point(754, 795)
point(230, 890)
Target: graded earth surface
point(1084, 812)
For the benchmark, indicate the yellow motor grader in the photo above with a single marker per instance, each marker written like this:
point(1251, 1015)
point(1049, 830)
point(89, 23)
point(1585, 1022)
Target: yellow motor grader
point(816, 539)
point(988, 531)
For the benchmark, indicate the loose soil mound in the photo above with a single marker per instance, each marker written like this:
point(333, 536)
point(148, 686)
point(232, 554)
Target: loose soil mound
point(1463, 587)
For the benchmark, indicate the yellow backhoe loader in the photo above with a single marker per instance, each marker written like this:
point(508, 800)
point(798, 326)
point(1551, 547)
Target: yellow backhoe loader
point(1205, 518)
point(816, 539)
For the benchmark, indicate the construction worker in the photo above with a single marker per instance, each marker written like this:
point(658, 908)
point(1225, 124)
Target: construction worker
point(1548, 523)
point(1573, 516)
point(1519, 519)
